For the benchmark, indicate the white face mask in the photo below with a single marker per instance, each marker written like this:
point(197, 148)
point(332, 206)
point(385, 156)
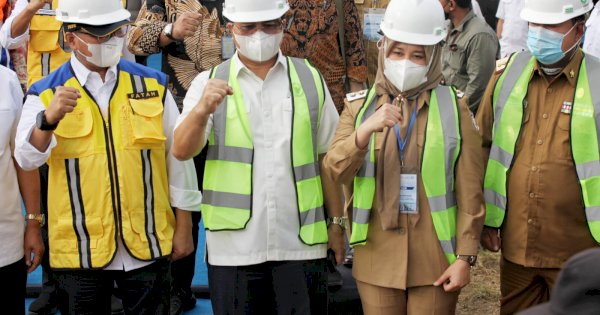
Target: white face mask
point(404, 74)
point(106, 54)
point(259, 46)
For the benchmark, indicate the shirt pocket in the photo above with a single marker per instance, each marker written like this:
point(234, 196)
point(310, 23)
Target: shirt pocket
point(563, 138)
point(146, 121)
point(455, 56)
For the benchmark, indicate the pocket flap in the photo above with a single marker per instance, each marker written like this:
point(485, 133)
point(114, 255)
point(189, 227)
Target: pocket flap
point(44, 23)
point(147, 107)
point(76, 124)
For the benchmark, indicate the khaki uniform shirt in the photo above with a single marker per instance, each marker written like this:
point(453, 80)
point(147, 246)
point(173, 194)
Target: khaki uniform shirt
point(469, 56)
point(370, 46)
point(410, 255)
point(545, 221)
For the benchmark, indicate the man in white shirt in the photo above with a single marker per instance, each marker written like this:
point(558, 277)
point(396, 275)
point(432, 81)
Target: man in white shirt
point(105, 125)
point(511, 28)
point(15, 182)
point(591, 44)
point(266, 119)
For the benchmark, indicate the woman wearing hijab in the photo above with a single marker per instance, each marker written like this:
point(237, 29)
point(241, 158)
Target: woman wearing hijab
point(410, 151)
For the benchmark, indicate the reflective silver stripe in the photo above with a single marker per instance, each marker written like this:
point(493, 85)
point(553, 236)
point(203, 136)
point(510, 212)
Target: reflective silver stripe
point(360, 216)
point(592, 213)
point(368, 167)
point(72, 167)
point(220, 115)
point(312, 216)
point(588, 170)
point(45, 64)
point(494, 198)
point(138, 86)
point(312, 97)
point(231, 154)
point(306, 171)
point(510, 80)
point(149, 204)
point(592, 66)
point(227, 200)
point(47, 6)
point(448, 246)
point(441, 203)
point(500, 155)
point(448, 118)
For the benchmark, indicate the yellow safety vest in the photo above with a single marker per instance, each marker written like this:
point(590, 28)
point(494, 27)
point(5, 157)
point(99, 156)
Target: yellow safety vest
point(108, 176)
point(44, 55)
point(227, 202)
point(509, 96)
point(440, 154)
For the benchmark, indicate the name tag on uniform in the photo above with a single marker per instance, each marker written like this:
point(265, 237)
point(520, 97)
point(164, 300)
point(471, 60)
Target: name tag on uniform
point(227, 47)
point(143, 95)
point(408, 193)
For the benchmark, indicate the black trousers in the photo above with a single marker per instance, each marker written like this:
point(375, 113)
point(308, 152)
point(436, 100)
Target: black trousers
point(12, 288)
point(88, 292)
point(274, 287)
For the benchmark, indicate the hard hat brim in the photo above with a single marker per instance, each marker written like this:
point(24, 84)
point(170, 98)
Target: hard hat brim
point(548, 18)
point(412, 38)
point(250, 17)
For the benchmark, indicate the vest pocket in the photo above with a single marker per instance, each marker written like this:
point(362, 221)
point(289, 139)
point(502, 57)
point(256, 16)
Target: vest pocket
point(145, 229)
point(70, 131)
point(146, 121)
point(44, 33)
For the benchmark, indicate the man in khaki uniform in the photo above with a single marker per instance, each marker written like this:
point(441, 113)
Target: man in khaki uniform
point(531, 121)
point(469, 52)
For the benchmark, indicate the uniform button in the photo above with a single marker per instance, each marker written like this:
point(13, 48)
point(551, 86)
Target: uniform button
point(531, 195)
point(540, 142)
point(534, 168)
point(550, 90)
point(530, 221)
point(401, 230)
point(545, 116)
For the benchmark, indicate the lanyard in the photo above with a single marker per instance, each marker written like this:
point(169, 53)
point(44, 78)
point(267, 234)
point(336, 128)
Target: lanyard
point(402, 144)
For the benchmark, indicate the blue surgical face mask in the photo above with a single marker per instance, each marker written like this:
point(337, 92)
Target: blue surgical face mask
point(546, 45)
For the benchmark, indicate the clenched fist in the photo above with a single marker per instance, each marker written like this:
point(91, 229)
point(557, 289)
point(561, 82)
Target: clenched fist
point(186, 25)
point(214, 93)
point(386, 116)
point(64, 101)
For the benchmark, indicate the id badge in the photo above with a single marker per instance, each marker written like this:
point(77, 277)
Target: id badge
point(372, 22)
point(408, 194)
point(227, 47)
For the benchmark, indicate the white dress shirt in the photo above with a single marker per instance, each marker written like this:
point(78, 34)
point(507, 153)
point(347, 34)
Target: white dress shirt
point(591, 44)
point(272, 232)
point(514, 30)
point(183, 185)
point(477, 9)
point(11, 217)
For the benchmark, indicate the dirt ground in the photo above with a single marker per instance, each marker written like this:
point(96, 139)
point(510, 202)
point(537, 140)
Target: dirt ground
point(482, 296)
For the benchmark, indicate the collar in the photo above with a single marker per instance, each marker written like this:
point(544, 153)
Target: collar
point(460, 28)
point(570, 72)
point(423, 100)
point(82, 73)
point(239, 65)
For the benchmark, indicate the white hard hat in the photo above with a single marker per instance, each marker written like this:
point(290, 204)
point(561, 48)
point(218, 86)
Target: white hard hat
point(554, 11)
point(245, 11)
point(417, 22)
point(97, 12)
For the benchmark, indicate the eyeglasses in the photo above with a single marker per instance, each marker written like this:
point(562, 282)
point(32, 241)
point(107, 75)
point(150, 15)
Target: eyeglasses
point(270, 27)
point(120, 33)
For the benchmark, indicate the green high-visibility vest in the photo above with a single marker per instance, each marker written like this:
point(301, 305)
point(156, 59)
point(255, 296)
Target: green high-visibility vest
point(440, 153)
point(227, 200)
point(508, 104)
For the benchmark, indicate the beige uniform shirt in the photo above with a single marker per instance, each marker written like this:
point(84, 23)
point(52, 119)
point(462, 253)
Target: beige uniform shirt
point(545, 221)
point(410, 255)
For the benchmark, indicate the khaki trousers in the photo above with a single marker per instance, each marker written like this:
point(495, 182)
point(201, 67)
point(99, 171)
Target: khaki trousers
point(522, 287)
point(425, 300)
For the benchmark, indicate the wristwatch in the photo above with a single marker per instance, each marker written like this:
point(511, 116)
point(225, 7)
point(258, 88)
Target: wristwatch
point(38, 217)
point(168, 31)
point(42, 124)
point(341, 221)
point(468, 258)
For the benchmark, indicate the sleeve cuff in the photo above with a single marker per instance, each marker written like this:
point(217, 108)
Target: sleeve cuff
point(467, 247)
point(188, 200)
